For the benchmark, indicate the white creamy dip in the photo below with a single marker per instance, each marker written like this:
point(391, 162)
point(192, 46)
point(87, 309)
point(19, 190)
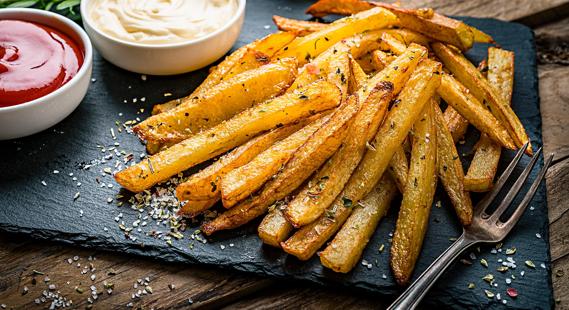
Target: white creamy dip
point(160, 21)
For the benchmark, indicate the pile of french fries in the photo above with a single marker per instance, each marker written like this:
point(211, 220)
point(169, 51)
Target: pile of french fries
point(319, 126)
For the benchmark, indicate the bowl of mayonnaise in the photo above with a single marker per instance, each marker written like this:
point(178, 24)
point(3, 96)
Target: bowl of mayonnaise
point(163, 37)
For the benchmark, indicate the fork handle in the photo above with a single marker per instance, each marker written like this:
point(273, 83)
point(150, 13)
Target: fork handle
point(416, 291)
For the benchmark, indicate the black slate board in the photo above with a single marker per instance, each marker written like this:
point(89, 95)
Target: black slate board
point(49, 212)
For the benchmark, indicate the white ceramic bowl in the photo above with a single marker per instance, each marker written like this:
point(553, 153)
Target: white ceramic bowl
point(165, 59)
point(39, 114)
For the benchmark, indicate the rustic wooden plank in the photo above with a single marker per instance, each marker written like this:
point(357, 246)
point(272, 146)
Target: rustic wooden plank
point(553, 49)
point(289, 295)
point(205, 286)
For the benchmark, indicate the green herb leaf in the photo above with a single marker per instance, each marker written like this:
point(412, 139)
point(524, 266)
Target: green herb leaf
point(23, 4)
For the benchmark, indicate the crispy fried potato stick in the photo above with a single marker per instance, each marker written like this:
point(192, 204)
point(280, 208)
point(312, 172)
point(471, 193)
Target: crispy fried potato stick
point(479, 86)
point(274, 228)
point(449, 169)
point(399, 168)
point(484, 165)
point(345, 250)
point(417, 198)
point(244, 181)
point(317, 97)
point(298, 27)
point(204, 185)
point(456, 123)
point(415, 95)
point(223, 101)
point(425, 21)
point(193, 208)
point(338, 7)
point(237, 62)
point(310, 46)
point(319, 147)
point(458, 96)
point(325, 185)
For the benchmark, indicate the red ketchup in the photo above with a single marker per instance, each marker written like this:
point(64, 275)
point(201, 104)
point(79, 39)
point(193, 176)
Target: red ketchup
point(35, 60)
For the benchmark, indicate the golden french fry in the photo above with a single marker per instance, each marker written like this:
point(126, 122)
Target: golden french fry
point(380, 59)
point(433, 25)
point(219, 103)
point(286, 109)
point(311, 202)
point(456, 123)
point(274, 228)
point(408, 108)
point(310, 46)
point(458, 96)
point(319, 147)
point(358, 77)
point(205, 184)
point(298, 27)
point(244, 181)
point(345, 250)
point(237, 62)
point(390, 43)
point(338, 7)
point(479, 86)
point(484, 165)
point(417, 199)
point(480, 36)
point(193, 208)
point(449, 169)
point(399, 168)
point(366, 63)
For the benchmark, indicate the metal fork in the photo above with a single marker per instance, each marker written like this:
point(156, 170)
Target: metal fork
point(487, 228)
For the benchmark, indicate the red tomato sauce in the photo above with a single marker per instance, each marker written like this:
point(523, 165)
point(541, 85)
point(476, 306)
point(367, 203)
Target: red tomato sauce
point(35, 60)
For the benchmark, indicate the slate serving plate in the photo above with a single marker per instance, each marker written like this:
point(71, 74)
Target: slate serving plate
point(49, 212)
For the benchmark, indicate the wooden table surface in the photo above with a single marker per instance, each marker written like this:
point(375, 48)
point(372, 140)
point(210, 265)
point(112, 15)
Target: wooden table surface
point(28, 268)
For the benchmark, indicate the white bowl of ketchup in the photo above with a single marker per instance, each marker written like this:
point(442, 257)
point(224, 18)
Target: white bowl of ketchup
point(45, 69)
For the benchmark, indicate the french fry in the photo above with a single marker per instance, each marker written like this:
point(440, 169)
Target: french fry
point(345, 250)
point(328, 182)
point(390, 43)
point(456, 123)
point(449, 169)
point(193, 208)
point(417, 199)
point(274, 228)
point(310, 46)
point(219, 103)
point(425, 21)
point(399, 168)
point(366, 63)
point(433, 25)
point(234, 64)
point(479, 86)
point(298, 27)
point(408, 36)
point(380, 59)
point(484, 164)
point(357, 77)
point(458, 96)
point(480, 36)
point(204, 185)
point(244, 181)
point(317, 97)
point(415, 95)
point(338, 7)
point(319, 147)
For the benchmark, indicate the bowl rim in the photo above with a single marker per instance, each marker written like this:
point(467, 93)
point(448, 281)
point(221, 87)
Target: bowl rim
point(85, 41)
point(236, 17)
